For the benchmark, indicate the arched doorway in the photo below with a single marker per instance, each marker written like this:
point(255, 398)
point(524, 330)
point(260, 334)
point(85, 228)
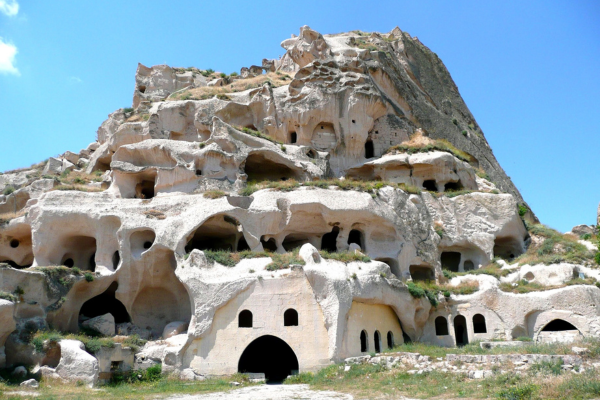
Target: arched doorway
point(460, 330)
point(271, 356)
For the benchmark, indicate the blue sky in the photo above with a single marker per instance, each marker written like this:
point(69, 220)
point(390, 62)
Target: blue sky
point(530, 73)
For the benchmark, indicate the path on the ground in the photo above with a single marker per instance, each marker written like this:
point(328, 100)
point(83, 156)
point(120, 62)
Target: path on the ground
point(270, 392)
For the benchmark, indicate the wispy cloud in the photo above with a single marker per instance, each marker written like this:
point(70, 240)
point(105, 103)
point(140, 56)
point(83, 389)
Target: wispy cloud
point(7, 58)
point(75, 79)
point(9, 7)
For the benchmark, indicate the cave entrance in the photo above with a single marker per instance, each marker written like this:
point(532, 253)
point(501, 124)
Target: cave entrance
point(369, 149)
point(430, 185)
point(450, 260)
point(105, 303)
point(259, 168)
point(271, 356)
point(508, 247)
point(219, 232)
point(559, 325)
point(295, 241)
point(293, 137)
point(144, 188)
point(268, 245)
point(453, 186)
point(329, 240)
point(421, 273)
point(460, 330)
point(393, 264)
point(356, 236)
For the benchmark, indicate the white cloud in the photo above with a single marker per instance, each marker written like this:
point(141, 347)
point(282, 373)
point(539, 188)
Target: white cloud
point(75, 79)
point(7, 58)
point(9, 7)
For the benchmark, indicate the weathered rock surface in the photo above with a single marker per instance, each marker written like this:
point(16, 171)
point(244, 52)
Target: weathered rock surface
point(104, 324)
point(295, 207)
point(76, 364)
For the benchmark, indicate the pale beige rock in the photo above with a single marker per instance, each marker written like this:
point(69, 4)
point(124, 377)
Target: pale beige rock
point(104, 324)
point(76, 364)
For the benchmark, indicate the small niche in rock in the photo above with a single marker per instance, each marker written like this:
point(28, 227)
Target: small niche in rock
point(293, 137)
point(116, 259)
point(14, 243)
point(141, 241)
point(77, 251)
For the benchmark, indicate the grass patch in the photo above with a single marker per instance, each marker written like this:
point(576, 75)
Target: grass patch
point(422, 144)
point(279, 261)
point(5, 218)
point(431, 290)
point(237, 85)
point(345, 256)
point(492, 269)
point(214, 194)
point(79, 188)
point(8, 296)
point(91, 341)
point(371, 187)
point(283, 261)
point(524, 286)
point(553, 247)
point(257, 134)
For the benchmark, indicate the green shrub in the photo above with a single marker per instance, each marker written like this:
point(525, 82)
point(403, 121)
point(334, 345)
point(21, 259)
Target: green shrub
point(8, 190)
point(464, 133)
point(597, 257)
point(522, 210)
point(345, 256)
point(89, 277)
point(548, 367)
point(303, 377)
point(127, 110)
point(201, 145)
point(454, 121)
point(524, 392)
point(8, 296)
point(585, 236)
point(233, 74)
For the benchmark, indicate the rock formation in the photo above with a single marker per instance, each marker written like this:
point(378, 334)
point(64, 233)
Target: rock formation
point(294, 208)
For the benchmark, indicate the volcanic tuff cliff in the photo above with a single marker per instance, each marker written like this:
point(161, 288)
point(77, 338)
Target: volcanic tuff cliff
point(302, 198)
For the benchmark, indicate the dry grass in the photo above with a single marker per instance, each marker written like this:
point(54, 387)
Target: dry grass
point(5, 218)
point(156, 214)
point(214, 194)
point(138, 117)
point(79, 188)
point(423, 144)
point(238, 85)
point(552, 247)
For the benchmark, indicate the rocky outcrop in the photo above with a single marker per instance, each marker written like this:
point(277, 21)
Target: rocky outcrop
point(77, 365)
point(300, 207)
